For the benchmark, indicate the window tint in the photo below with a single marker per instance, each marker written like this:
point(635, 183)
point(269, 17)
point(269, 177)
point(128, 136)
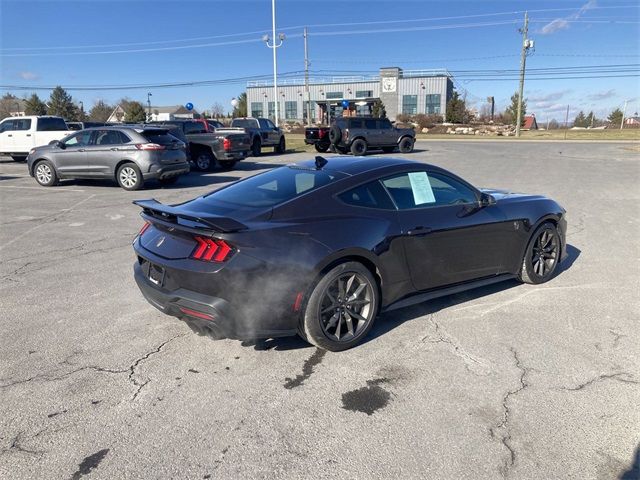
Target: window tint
point(419, 189)
point(371, 195)
point(49, 124)
point(274, 187)
point(194, 127)
point(355, 123)
point(22, 124)
point(6, 125)
point(385, 123)
point(370, 124)
point(107, 137)
point(79, 139)
point(124, 138)
point(270, 124)
point(215, 124)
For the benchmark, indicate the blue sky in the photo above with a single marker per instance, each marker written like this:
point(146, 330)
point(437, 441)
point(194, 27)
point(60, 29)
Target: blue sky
point(45, 43)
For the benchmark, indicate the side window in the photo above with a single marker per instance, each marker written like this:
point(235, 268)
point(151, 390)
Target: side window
point(371, 195)
point(263, 124)
point(22, 124)
point(419, 189)
point(370, 124)
point(107, 137)
point(385, 123)
point(51, 124)
point(355, 123)
point(6, 126)
point(80, 139)
point(123, 137)
point(270, 124)
point(194, 127)
point(449, 191)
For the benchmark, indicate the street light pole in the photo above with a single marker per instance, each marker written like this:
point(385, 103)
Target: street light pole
point(149, 95)
point(274, 45)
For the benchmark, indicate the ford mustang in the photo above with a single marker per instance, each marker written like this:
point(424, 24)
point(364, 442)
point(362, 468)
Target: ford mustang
point(320, 247)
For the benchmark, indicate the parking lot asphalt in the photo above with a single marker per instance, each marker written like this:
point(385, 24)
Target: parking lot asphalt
point(508, 381)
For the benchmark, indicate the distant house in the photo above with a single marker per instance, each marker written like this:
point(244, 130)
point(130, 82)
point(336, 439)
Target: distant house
point(17, 107)
point(173, 112)
point(530, 123)
point(632, 121)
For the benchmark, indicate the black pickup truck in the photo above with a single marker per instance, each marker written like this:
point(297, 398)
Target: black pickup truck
point(207, 146)
point(318, 137)
point(263, 134)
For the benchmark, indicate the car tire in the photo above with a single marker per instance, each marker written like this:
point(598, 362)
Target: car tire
point(227, 164)
point(45, 173)
point(388, 149)
point(129, 177)
point(405, 145)
point(335, 134)
point(281, 147)
point(18, 158)
point(321, 147)
point(256, 147)
point(203, 161)
point(542, 255)
point(359, 147)
point(168, 180)
point(331, 321)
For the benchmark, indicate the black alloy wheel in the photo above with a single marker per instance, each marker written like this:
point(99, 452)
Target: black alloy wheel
point(341, 308)
point(359, 147)
point(203, 161)
point(542, 256)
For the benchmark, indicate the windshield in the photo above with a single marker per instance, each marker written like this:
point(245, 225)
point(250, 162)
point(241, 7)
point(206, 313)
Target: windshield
point(244, 123)
point(274, 187)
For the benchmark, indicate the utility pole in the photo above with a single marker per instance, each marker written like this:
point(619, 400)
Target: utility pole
point(566, 123)
point(149, 106)
point(624, 112)
point(306, 78)
point(526, 45)
point(274, 46)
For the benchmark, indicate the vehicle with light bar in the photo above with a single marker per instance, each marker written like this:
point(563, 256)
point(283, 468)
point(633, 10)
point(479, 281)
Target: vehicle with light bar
point(128, 154)
point(319, 248)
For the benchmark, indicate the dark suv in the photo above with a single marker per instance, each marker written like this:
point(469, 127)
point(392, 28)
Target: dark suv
point(359, 134)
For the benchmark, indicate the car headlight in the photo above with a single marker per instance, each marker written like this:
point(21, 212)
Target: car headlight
point(32, 151)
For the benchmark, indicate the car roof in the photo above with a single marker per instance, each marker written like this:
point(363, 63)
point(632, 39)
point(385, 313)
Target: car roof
point(357, 165)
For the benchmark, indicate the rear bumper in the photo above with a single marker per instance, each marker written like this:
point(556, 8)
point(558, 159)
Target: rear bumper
point(225, 321)
point(167, 171)
point(233, 155)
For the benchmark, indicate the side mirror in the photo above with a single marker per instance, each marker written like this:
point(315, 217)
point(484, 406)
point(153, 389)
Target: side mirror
point(487, 200)
point(60, 145)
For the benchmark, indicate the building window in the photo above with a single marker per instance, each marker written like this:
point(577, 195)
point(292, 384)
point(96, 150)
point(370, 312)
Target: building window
point(312, 109)
point(409, 104)
point(271, 110)
point(291, 110)
point(364, 93)
point(433, 104)
point(363, 110)
point(333, 95)
point(256, 109)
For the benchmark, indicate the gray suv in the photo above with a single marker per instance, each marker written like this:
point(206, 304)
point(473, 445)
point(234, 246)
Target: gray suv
point(129, 154)
point(360, 134)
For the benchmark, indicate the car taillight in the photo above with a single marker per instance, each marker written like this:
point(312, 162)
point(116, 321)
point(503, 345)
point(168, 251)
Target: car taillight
point(321, 133)
point(149, 146)
point(144, 228)
point(226, 144)
point(211, 250)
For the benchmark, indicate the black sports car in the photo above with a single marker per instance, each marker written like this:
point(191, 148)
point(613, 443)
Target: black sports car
point(320, 247)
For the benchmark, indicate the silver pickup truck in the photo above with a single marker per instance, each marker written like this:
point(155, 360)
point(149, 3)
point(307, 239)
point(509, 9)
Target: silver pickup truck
point(263, 134)
point(207, 146)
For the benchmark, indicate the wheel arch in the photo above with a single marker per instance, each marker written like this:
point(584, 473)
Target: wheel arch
point(405, 135)
point(119, 164)
point(357, 255)
point(550, 218)
point(32, 168)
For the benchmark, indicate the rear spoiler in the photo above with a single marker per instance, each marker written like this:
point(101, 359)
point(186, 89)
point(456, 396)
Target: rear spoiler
point(169, 214)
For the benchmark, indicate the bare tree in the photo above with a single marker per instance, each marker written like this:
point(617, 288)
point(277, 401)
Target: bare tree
point(217, 110)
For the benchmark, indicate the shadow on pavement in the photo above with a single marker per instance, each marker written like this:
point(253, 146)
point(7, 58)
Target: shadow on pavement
point(634, 471)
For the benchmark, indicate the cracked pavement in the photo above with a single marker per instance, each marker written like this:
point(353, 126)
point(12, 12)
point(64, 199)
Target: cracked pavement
point(508, 381)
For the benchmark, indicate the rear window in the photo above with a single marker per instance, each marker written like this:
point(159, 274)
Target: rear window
point(242, 123)
point(51, 124)
point(194, 127)
point(274, 187)
point(371, 195)
point(161, 137)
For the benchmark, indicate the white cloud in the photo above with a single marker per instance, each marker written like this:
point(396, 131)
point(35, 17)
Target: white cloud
point(602, 95)
point(29, 76)
point(548, 97)
point(562, 23)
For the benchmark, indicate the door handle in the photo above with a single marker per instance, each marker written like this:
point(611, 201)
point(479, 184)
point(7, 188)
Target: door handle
point(418, 231)
point(28, 134)
point(81, 150)
point(114, 149)
point(9, 135)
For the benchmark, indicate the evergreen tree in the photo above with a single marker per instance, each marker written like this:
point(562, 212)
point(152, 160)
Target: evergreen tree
point(240, 110)
point(61, 105)
point(615, 117)
point(34, 106)
point(591, 120)
point(7, 105)
point(100, 112)
point(378, 110)
point(135, 112)
point(511, 113)
point(456, 109)
point(580, 120)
